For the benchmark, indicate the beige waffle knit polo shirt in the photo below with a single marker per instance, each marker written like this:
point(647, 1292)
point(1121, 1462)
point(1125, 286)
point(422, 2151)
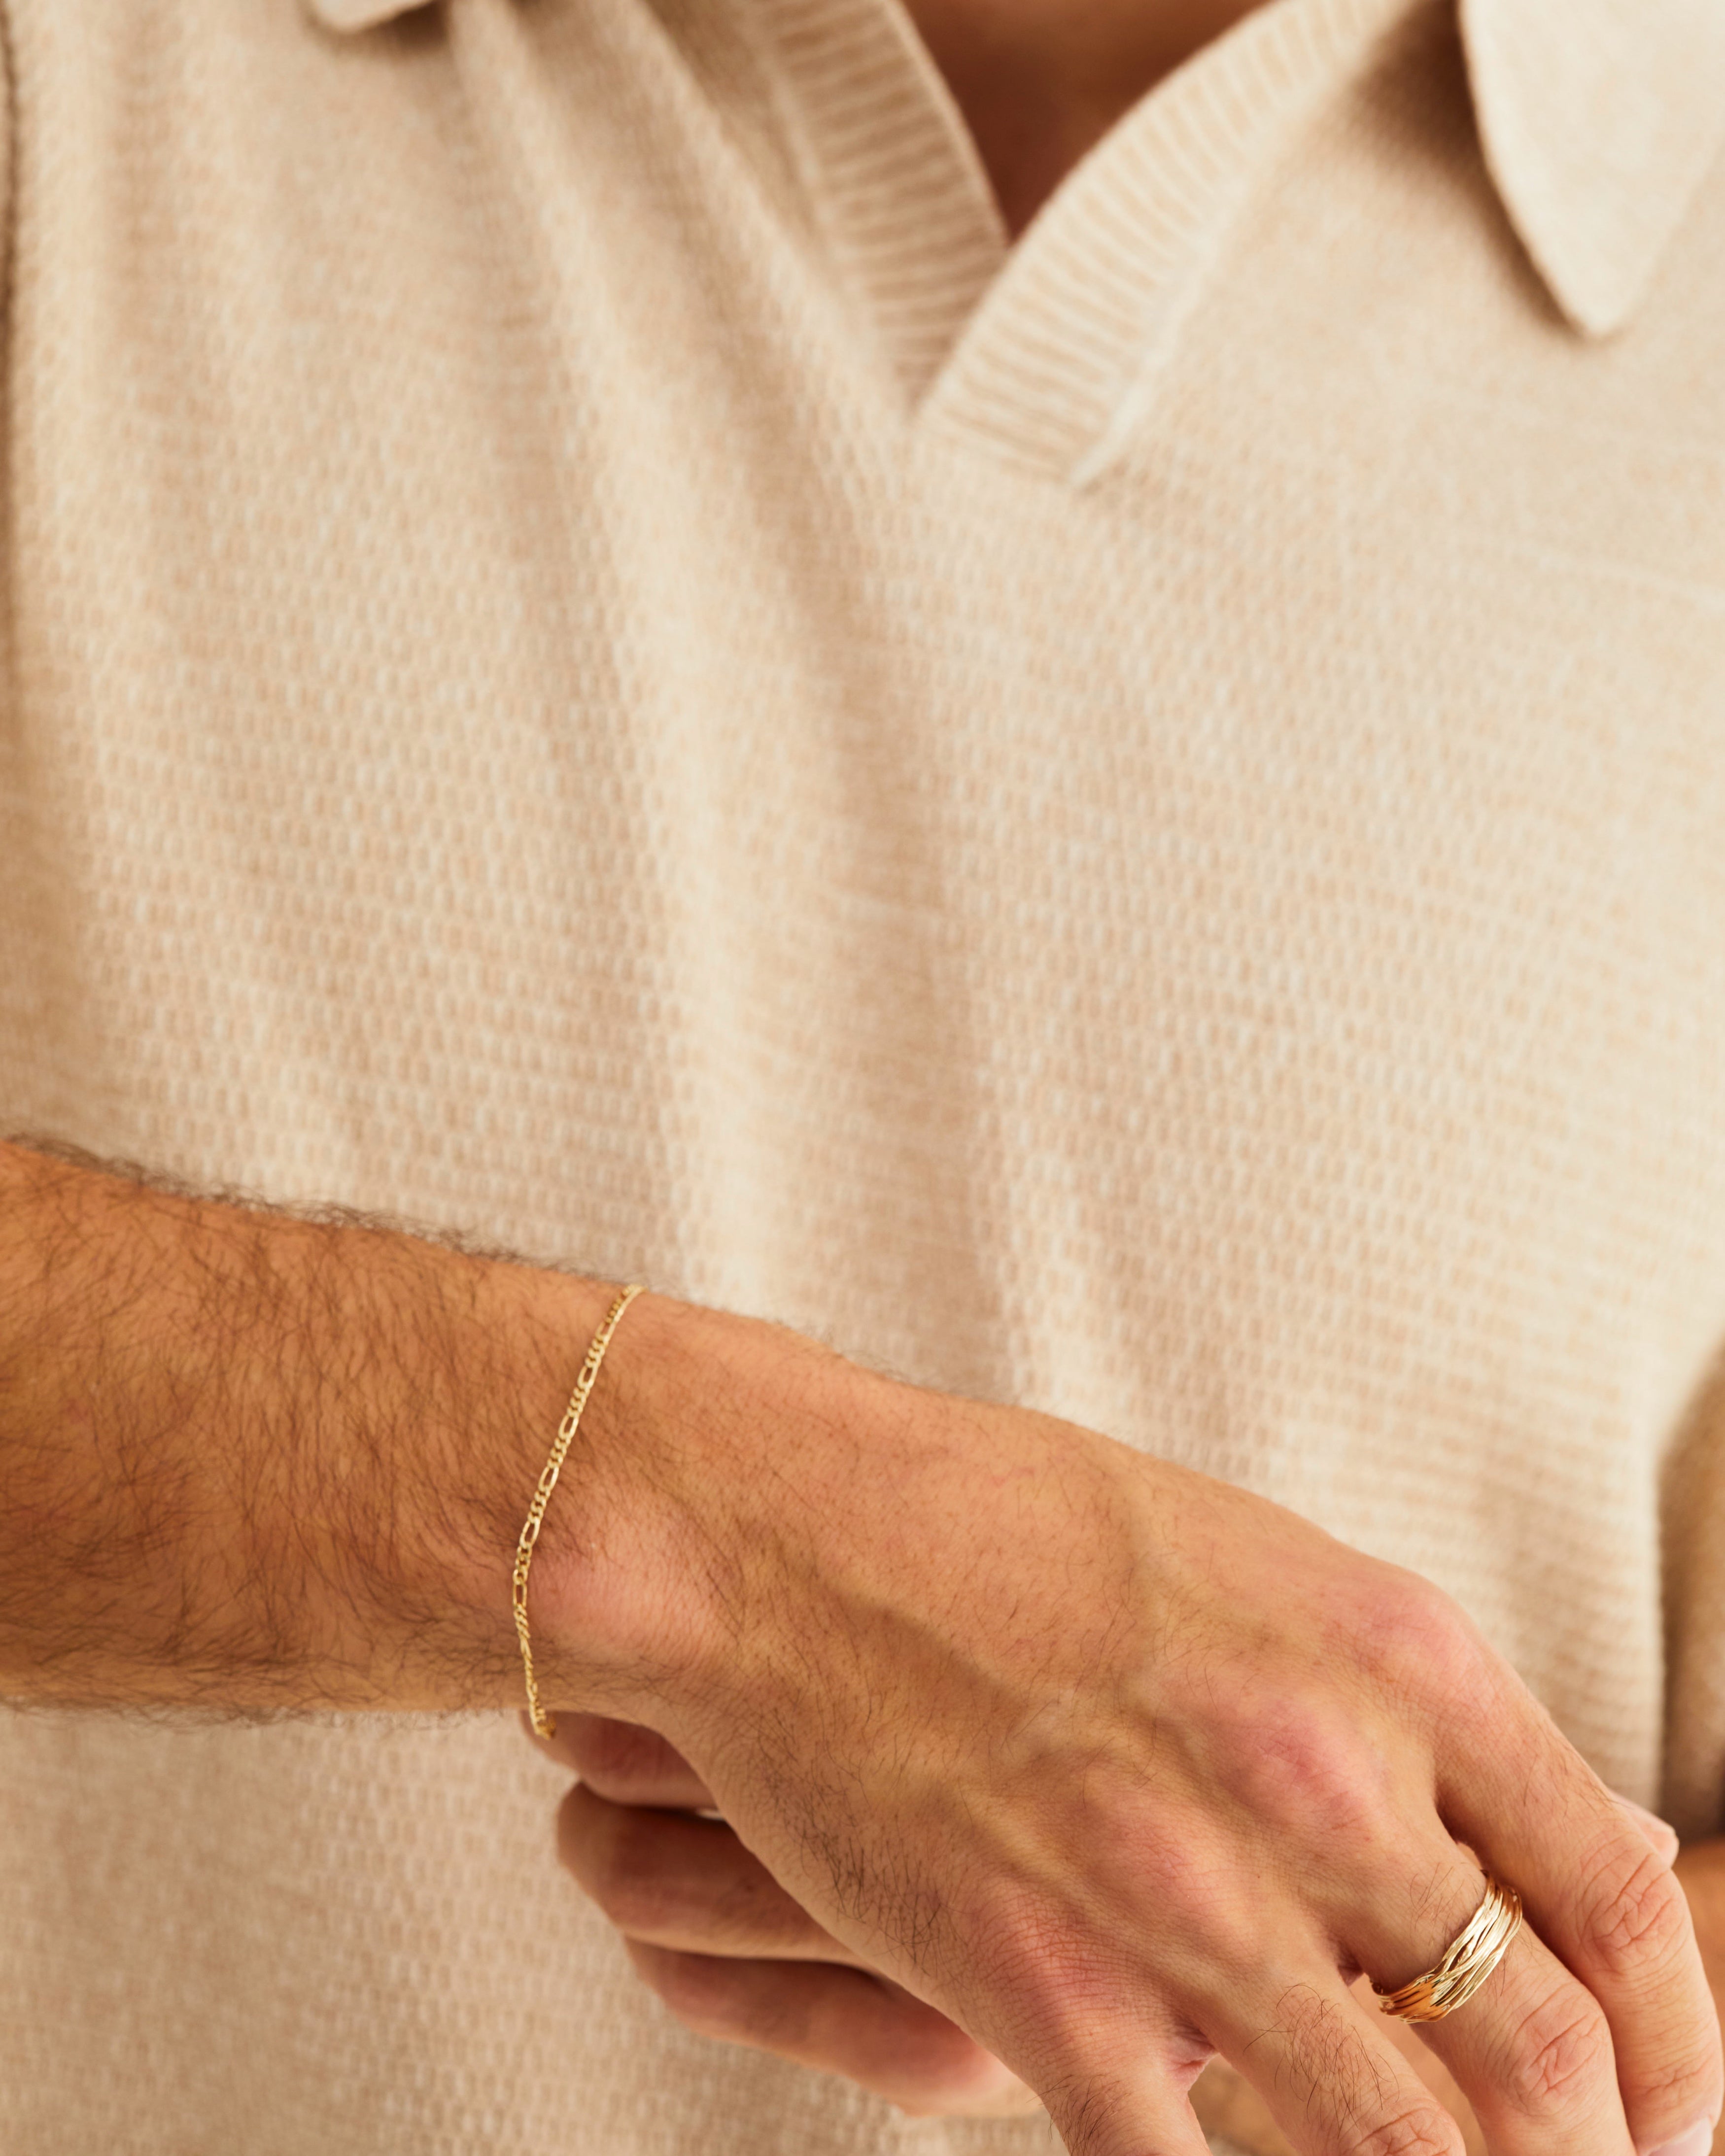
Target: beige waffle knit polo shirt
point(1132, 822)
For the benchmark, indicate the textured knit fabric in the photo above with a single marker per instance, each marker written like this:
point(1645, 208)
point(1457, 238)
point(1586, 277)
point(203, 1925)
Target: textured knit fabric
point(1133, 822)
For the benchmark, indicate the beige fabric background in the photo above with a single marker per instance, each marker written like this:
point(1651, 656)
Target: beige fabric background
point(1133, 826)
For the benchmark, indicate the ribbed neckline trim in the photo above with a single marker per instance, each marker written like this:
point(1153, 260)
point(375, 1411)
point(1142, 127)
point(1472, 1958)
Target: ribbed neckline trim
point(1030, 347)
point(893, 172)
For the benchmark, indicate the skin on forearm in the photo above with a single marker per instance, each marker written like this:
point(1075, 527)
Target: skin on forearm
point(251, 1461)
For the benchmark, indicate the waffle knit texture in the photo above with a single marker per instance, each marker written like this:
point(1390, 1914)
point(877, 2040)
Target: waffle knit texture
point(1129, 823)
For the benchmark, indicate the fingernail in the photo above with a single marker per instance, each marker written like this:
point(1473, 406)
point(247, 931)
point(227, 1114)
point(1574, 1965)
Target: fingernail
point(1696, 2142)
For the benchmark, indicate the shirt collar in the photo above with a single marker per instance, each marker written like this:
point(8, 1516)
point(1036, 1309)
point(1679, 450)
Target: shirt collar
point(1599, 119)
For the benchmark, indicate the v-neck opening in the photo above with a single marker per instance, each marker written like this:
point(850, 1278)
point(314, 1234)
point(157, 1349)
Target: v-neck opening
point(1031, 346)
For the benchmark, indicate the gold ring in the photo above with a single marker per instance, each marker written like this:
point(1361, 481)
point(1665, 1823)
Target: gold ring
point(1469, 1960)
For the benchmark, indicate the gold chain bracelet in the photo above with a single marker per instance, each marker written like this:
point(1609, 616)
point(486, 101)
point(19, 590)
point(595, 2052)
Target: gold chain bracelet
point(541, 1497)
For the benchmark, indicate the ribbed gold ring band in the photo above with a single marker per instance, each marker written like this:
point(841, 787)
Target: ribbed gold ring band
point(1469, 1960)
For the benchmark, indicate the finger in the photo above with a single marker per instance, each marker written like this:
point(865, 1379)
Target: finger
point(1532, 2049)
point(1327, 2072)
point(838, 2021)
point(1603, 1900)
point(1114, 2073)
point(682, 1882)
point(1430, 2069)
point(1231, 2109)
point(1123, 2113)
point(623, 1762)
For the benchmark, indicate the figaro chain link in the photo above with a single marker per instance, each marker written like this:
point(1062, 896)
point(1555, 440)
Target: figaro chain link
point(548, 1482)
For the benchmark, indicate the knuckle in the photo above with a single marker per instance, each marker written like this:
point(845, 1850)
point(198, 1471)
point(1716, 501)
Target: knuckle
point(1419, 1642)
point(753, 1912)
point(624, 1882)
point(613, 1756)
point(1419, 2129)
point(1560, 2058)
point(1635, 1920)
point(775, 2016)
point(1679, 2093)
point(1411, 2131)
point(1295, 1760)
point(698, 1989)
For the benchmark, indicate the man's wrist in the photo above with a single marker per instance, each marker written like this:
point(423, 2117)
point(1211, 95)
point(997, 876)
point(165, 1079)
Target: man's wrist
point(618, 1617)
point(674, 1475)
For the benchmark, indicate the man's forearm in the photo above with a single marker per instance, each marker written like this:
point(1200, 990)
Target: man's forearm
point(253, 1462)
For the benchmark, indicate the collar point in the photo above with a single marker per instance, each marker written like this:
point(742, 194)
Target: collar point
point(348, 16)
point(1599, 128)
point(1596, 299)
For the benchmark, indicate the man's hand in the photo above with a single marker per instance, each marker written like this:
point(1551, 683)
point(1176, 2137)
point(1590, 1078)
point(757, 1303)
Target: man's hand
point(733, 1957)
point(1118, 1767)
